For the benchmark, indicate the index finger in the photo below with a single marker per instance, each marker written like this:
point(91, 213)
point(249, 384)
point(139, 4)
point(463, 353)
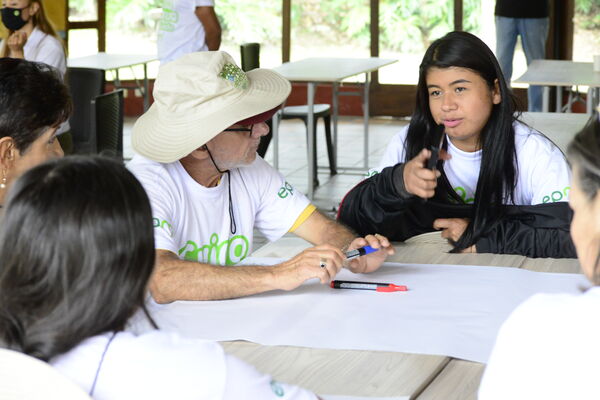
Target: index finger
point(441, 223)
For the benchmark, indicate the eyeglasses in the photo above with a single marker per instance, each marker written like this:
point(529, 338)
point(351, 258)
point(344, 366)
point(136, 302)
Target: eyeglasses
point(243, 129)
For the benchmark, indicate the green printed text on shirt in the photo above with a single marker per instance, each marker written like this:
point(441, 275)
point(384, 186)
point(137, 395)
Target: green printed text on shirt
point(170, 17)
point(163, 225)
point(227, 252)
point(557, 195)
point(286, 190)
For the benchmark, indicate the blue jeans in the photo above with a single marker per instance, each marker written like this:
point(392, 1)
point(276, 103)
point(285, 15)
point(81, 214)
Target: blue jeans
point(533, 32)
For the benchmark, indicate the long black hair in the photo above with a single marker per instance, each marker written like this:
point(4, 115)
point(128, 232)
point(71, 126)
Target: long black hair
point(497, 175)
point(76, 254)
point(33, 98)
point(584, 152)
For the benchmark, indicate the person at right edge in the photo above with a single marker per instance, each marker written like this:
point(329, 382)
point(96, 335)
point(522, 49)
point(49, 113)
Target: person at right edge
point(499, 186)
point(528, 19)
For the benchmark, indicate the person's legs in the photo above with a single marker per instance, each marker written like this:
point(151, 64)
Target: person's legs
point(534, 32)
point(506, 38)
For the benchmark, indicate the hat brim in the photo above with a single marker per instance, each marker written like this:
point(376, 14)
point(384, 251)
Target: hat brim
point(257, 119)
point(167, 137)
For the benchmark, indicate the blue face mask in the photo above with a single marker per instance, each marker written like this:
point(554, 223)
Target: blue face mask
point(11, 18)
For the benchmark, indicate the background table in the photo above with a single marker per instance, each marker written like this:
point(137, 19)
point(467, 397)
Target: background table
point(562, 73)
point(558, 127)
point(384, 374)
point(328, 70)
point(114, 62)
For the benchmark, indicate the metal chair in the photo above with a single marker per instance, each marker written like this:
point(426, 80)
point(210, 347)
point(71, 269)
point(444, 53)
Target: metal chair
point(250, 56)
point(84, 84)
point(107, 124)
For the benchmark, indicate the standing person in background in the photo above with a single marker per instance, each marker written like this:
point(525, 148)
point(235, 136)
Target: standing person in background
point(32, 37)
point(528, 19)
point(187, 26)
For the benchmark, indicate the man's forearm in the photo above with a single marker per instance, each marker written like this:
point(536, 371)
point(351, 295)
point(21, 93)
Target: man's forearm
point(176, 279)
point(320, 229)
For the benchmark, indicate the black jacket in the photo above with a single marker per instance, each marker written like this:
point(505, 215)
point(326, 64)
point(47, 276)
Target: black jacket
point(375, 206)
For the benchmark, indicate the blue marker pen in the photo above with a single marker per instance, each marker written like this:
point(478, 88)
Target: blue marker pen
point(359, 252)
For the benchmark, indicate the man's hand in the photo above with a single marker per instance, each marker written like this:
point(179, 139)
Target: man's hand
point(373, 261)
point(322, 262)
point(418, 179)
point(452, 228)
point(15, 43)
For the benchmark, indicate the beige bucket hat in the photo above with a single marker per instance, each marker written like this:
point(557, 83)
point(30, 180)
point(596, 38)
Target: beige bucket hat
point(198, 96)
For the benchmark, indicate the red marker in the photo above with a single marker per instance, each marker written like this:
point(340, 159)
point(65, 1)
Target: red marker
point(378, 287)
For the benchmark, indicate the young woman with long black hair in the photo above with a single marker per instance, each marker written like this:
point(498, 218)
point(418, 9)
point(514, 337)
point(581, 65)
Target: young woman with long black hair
point(499, 186)
point(77, 251)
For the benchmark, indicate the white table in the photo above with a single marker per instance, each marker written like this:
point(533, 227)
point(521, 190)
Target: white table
point(561, 73)
point(383, 374)
point(114, 62)
point(558, 127)
point(328, 70)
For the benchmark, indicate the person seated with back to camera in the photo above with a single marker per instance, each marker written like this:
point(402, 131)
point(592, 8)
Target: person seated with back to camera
point(208, 188)
point(77, 255)
point(499, 186)
point(546, 349)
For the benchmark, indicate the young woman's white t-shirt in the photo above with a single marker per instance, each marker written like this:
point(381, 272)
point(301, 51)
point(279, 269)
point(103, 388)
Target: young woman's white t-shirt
point(160, 365)
point(543, 174)
point(194, 221)
point(547, 349)
point(180, 31)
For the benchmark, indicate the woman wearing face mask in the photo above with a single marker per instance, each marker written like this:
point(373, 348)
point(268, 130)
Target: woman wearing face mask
point(547, 348)
point(32, 37)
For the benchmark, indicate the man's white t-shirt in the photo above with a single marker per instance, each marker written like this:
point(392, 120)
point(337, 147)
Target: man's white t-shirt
point(180, 31)
point(193, 221)
point(44, 48)
point(160, 365)
point(547, 349)
point(543, 174)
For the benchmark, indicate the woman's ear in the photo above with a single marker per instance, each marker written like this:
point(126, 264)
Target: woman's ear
point(496, 96)
point(7, 152)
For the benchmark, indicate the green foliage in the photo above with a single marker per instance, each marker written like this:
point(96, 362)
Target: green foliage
point(587, 14)
point(405, 25)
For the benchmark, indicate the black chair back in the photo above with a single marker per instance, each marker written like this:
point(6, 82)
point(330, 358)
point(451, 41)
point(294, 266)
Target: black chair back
point(250, 56)
point(84, 84)
point(107, 124)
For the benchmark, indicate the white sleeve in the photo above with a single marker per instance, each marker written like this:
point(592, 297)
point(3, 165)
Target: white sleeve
point(546, 170)
point(162, 201)
point(394, 152)
point(51, 53)
point(279, 203)
point(244, 382)
point(204, 3)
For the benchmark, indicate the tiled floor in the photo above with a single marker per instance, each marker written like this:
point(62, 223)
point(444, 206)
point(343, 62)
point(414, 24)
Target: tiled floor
point(293, 159)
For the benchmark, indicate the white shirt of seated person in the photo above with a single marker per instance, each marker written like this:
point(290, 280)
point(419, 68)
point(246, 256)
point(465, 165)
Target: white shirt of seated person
point(160, 365)
point(193, 221)
point(543, 173)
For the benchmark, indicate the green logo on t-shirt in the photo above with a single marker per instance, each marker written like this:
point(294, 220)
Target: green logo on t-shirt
point(462, 192)
point(164, 225)
point(169, 18)
point(233, 250)
point(557, 195)
point(286, 190)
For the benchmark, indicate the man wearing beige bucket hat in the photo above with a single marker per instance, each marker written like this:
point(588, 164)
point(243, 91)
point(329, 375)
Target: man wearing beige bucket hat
point(197, 160)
